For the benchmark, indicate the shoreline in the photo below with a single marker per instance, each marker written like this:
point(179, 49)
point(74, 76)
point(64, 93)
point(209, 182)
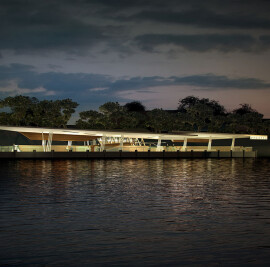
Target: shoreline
point(131, 155)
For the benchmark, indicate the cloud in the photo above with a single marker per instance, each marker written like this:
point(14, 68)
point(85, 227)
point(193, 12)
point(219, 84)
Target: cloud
point(97, 89)
point(203, 42)
point(203, 18)
point(206, 81)
point(79, 27)
point(221, 82)
point(11, 89)
point(69, 38)
point(23, 79)
point(36, 25)
point(265, 40)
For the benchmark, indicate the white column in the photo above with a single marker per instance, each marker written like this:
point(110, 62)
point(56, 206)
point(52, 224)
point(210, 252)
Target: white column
point(233, 142)
point(159, 144)
point(103, 141)
point(121, 142)
point(209, 144)
point(69, 144)
point(43, 143)
point(184, 145)
point(49, 142)
point(142, 142)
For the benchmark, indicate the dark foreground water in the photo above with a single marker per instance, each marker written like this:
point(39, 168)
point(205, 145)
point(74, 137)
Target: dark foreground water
point(205, 212)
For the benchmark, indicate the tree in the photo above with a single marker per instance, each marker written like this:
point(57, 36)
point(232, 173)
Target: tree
point(110, 108)
point(159, 120)
point(66, 109)
point(91, 119)
point(134, 106)
point(190, 101)
point(113, 114)
point(265, 127)
point(181, 122)
point(245, 120)
point(21, 109)
point(187, 102)
point(29, 111)
point(245, 109)
point(200, 116)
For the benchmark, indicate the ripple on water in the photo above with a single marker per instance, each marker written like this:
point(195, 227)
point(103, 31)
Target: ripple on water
point(131, 212)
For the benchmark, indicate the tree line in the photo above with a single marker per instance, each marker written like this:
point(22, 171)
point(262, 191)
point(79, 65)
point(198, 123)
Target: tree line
point(29, 111)
point(192, 114)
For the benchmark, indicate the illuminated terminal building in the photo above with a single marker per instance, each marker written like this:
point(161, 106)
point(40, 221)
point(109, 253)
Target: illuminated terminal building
point(180, 144)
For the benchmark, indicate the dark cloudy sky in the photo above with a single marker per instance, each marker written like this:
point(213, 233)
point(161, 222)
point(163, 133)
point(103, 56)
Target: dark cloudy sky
point(153, 51)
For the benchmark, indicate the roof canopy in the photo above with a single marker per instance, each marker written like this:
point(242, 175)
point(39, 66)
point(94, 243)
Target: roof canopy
point(36, 133)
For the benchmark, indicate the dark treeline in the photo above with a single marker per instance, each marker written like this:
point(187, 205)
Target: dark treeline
point(29, 111)
point(192, 114)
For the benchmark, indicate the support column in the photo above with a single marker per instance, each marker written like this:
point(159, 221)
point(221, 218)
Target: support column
point(143, 142)
point(209, 144)
point(184, 148)
point(159, 144)
point(43, 143)
point(103, 142)
point(49, 142)
point(121, 142)
point(69, 144)
point(233, 142)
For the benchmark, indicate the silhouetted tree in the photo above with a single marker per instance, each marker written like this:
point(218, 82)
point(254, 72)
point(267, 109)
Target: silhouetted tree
point(190, 101)
point(159, 120)
point(244, 109)
point(194, 114)
point(91, 119)
point(134, 106)
point(200, 116)
point(29, 111)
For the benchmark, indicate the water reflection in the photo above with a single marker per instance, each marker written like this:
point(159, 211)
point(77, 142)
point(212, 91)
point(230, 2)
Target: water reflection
point(130, 212)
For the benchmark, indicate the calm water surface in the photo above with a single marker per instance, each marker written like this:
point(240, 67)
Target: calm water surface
point(205, 212)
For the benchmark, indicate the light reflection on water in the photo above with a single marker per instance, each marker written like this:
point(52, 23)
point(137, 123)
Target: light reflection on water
point(131, 212)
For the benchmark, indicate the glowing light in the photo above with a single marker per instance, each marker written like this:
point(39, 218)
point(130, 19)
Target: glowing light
point(258, 137)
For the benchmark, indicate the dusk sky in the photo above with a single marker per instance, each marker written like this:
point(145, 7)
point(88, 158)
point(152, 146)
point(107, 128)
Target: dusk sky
point(152, 51)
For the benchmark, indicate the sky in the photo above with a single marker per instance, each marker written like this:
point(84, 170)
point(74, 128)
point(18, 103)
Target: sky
point(152, 51)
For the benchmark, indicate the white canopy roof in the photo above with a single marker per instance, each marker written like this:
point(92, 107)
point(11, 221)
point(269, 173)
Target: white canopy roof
point(126, 134)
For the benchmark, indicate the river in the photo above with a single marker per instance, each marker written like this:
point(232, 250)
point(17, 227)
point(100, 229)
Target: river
point(199, 212)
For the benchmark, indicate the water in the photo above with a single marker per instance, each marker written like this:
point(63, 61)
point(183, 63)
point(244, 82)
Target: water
point(199, 212)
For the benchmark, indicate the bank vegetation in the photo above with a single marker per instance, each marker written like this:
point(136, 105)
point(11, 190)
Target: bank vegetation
point(192, 114)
